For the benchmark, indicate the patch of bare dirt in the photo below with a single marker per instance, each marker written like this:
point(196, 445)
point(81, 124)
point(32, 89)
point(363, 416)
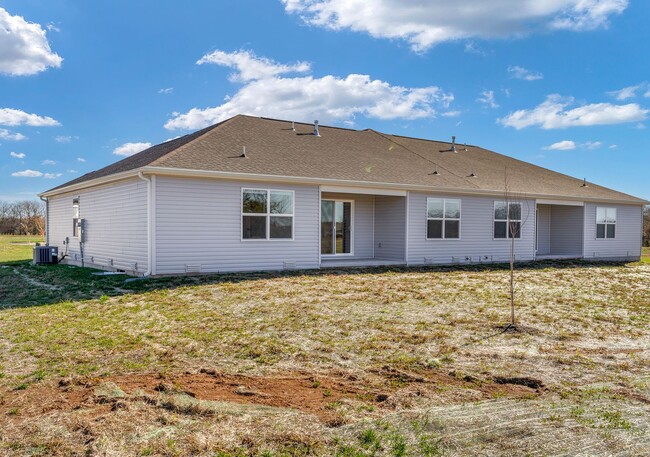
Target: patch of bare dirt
point(300, 391)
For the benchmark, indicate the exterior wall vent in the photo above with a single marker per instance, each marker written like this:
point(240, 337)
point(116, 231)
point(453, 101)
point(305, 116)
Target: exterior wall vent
point(192, 268)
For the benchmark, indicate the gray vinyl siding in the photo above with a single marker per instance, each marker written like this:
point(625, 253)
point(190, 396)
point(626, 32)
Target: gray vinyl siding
point(198, 228)
point(116, 225)
point(543, 230)
point(390, 227)
point(476, 233)
point(566, 230)
point(362, 223)
point(628, 233)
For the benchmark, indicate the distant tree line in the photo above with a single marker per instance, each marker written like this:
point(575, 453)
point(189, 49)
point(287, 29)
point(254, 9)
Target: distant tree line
point(646, 226)
point(25, 217)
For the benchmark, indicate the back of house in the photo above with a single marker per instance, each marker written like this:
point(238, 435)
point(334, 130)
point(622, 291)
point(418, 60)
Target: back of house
point(263, 194)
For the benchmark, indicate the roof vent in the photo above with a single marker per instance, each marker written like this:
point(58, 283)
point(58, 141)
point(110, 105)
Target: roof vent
point(472, 175)
point(453, 145)
point(435, 172)
point(584, 183)
point(293, 126)
point(316, 133)
point(243, 152)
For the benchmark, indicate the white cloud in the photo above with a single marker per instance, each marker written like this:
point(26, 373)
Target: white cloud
point(565, 145)
point(425, 23)
point(522, 73)
point(552, 114)
point(568, 145)
point(166, 90)
point(588, 14)
point(17, 155)
point(71, 171)
point(305, 98)
point(625, 93)
point(52, 175)
point(48, 162)
point(65, 138)
point(592, 144)
point(647, 94)
point(27, 174)
point(80, 159)
point(13, 117)
point(487, 98)
point(250, 67)
point(472, 48)
point(451, 113)
point(24, 49)
point(52, 27)
point(7, 135)
point(128, 149)
point(613, 146)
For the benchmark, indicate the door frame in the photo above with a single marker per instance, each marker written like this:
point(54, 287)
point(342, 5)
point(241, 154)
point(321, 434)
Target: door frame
point(336, 255)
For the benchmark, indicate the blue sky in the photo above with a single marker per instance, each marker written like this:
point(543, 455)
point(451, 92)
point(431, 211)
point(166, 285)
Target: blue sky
point(564, 84)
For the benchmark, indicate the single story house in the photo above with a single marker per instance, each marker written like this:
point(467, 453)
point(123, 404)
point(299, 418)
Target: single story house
point(254, 193)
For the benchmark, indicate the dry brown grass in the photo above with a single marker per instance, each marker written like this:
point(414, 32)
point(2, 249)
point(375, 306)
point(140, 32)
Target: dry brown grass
point(428, 340)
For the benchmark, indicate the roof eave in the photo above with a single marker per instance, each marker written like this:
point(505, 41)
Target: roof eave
point(190, 173)
point(183, 172)
point(91, 183)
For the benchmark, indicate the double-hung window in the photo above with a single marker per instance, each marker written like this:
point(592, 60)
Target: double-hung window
point(443, 218)
point(267, 214)
point(605, 222)
point(507, 220)
point(75, 218)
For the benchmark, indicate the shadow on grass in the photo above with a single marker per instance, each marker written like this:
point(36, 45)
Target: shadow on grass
point(23, 284)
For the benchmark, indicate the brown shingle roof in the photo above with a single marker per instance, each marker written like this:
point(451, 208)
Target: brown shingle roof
point(273, 148)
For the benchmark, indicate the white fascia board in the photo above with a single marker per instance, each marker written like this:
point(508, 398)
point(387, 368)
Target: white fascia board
point(189, 173)
point(92, 183)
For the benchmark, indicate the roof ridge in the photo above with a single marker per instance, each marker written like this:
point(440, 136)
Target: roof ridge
point(303, 123)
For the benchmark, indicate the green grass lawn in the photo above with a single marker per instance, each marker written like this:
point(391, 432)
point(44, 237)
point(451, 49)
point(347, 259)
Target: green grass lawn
point(645, 255)
point(383, 362)
point(17, 247)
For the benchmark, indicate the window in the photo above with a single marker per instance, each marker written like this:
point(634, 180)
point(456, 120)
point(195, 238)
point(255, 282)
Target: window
point(267, 214)
point(75, 218)
point(605, 223)
point(443, 218)
point(507, 220)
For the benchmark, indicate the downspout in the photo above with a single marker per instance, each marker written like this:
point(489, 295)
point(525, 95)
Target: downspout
point(47, 219)
point(149, 224)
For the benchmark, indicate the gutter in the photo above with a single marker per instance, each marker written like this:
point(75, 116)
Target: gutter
point(149, 222)
point(184, 172)
point(47, 219)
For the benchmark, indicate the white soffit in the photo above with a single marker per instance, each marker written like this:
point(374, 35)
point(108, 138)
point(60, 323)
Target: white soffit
point(560, 202)
point(363, 190)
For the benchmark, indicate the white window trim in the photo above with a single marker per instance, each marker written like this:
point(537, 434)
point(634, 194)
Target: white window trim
point(606, 238)
point(343, 254)
point(443, 219)
point(76, 202)
point(494, 219)
point(268, 215)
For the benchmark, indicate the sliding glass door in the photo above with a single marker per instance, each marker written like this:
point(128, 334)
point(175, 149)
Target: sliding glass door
point(336, 227)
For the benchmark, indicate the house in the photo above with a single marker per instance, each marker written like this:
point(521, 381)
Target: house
point(263, 194)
